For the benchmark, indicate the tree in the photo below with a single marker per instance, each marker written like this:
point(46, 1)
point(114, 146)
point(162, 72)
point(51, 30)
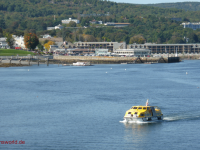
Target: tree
point(40, 47)
point(192, 38)
point(1, 32)
point(31, 41)
point(2, 23)
point(72, 24)
point(89, 38)
point(47, 45)
point(9, 39)
point(139, 39)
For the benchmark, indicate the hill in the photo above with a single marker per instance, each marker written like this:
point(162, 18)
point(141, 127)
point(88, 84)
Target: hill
point(151, 24)
point(188, 6)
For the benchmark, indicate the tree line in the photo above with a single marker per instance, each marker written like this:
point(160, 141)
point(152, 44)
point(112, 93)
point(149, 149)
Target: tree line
point(147, 23)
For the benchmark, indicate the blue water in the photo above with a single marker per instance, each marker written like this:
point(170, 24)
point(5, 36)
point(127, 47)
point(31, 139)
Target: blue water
point(80, 108)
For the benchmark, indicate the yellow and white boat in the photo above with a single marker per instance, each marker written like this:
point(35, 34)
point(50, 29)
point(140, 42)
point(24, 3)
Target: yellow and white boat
point(143, 113)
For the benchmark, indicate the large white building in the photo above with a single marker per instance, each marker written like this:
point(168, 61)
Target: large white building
point(193, 26)
point(66, 21)
point(142, 52)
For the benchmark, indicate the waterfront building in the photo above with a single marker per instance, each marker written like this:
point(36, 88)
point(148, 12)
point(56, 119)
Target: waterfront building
point(102, 52)
point(53, 47)
point(138, 52)
point(78, 51)
point(193, 26)
point(167, 48)
point(100, 45)
point(67, 21)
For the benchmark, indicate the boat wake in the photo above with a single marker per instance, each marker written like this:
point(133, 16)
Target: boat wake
point(165, 119)
point(176, 118)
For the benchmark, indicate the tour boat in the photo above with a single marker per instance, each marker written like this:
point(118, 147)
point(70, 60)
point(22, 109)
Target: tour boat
point(143, 113)
point(81, 64)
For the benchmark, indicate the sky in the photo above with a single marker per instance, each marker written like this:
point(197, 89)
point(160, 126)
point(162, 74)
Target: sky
point(151, 1)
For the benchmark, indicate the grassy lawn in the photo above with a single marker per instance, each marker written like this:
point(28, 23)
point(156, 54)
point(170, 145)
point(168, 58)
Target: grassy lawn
point(12, 52)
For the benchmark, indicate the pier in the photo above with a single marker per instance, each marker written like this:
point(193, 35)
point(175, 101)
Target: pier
point(116, 60)
point(67, 60)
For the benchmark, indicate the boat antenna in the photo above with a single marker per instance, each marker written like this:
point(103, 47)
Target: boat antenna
point(147, 103)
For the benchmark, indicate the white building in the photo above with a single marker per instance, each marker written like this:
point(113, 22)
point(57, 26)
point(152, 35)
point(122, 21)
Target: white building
point(59, 27)
point(19, 41)
point(4, 44)
point(116, 24)
point(193, 26)
point(102, 52)
point(66, 21)
point(56, 27)
point(142, 52)
point(53, 47)
point(46, 36)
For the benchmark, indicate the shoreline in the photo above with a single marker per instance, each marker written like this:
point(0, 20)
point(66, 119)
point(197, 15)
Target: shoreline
point(5, 65)
point(69, 62)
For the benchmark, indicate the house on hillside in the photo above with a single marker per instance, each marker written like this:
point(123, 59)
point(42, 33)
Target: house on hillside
point(56, 27)
point(46, 36)
point(192, 25)
point(67, 21)
point(95, 22)
point(59, 27)
point(116, 24)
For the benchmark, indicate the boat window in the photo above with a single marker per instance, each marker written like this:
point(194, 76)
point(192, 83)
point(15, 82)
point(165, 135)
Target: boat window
point(134, 107)
point(140, 108)
point(144, 108)
point(129, 112)
point(147, 108)
point(141, 114)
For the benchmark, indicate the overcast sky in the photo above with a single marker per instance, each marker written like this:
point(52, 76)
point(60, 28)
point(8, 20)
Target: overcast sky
point(152, 1)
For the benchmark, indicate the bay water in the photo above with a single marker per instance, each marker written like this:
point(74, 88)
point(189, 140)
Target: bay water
point(80, 108)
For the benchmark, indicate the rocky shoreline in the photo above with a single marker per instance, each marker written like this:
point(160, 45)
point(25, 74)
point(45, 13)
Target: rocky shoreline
point(11, 65)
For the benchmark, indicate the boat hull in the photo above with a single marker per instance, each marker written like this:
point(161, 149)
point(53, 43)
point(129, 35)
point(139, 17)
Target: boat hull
point(144, 119)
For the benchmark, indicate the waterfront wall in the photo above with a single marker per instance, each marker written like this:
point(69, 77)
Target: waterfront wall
point(105, 60)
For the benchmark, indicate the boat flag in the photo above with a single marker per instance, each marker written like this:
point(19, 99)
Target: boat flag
point(147, 103)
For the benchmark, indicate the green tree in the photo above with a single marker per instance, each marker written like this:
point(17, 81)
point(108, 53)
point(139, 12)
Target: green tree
point(40, 47)
point(72, 24)
point(139, 39)
point(9, 39)
point(2, 23)
point(192, 38)
point(31, 41)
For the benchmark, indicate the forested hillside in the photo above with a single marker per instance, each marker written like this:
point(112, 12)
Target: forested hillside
point(188, 6)
point(151, 24)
